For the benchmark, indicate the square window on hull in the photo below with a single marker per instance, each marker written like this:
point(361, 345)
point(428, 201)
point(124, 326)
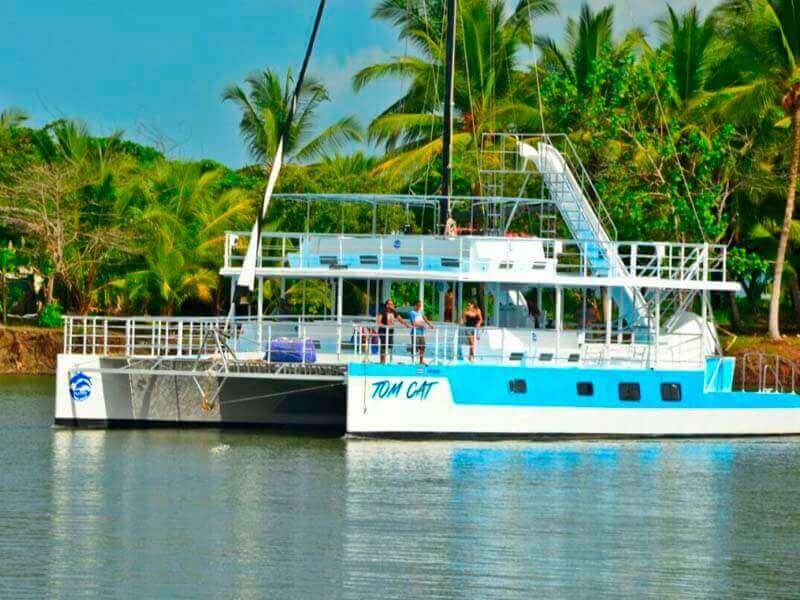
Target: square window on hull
point(671, 392)
point(517, 386)
point(585, 388)
point(630, 392)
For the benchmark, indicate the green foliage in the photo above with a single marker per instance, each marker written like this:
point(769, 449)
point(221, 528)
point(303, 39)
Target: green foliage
point(51, 315)
point(265, 111)
point(751, 270)
point(687, 140)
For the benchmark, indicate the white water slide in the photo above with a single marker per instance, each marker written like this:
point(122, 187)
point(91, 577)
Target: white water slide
point(581, 218)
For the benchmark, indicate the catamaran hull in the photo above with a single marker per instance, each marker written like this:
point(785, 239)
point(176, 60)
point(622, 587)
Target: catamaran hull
point(442, 401)
point(96, 392)
point(490, 401)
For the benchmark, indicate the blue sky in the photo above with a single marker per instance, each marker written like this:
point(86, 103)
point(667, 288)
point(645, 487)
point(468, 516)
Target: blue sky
point(156, 69)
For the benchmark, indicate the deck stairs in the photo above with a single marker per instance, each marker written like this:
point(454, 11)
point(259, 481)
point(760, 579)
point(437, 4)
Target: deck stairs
point(573, 203)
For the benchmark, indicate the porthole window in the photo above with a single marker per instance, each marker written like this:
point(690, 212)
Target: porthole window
point(517, 386)
point(630, 392)
point(585, 388)
point(671, 392)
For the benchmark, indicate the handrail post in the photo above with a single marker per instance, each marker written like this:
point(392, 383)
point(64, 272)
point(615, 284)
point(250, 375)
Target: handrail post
point(64, 335)
point(179, 349)
point(105, 336)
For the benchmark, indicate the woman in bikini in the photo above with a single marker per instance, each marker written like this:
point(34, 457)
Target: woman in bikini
point(472, 318)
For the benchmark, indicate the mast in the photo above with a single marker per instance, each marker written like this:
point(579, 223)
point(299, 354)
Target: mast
point(447, 136)
point(246, 280)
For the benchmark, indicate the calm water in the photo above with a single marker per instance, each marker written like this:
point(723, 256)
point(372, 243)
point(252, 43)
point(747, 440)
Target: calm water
point(188, 514)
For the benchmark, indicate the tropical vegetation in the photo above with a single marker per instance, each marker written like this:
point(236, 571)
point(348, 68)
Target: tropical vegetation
point(691, 132)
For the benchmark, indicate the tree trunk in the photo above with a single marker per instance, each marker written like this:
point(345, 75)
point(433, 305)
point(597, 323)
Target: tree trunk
point(49, 290)
point(775, 299)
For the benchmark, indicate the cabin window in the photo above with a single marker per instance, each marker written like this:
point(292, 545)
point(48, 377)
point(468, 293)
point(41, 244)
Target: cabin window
point(516, 356)
point(630, 392)
point(506, 265)
point(517, 386)
point(671, 392)
point(538, 266)
point(409, 261)
point(328, 260)
point(450, 262)
point(585, 388)
point(369, 259)
point(545, 357)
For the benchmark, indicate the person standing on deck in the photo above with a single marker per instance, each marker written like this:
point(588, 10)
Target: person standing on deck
point(472, 319)
point(419, 322)
point(449, 305)
point(386, 318)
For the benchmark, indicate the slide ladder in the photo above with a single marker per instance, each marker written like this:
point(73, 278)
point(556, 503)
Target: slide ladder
point(586, 228)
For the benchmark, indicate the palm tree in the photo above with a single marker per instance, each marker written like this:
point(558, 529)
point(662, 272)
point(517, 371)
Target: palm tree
point(588, 40)
point(265, 106)
point(688, 42)
point(761, 80)
point(167, 280)
point(12, 117)
point(181, 211)
point(488, 44)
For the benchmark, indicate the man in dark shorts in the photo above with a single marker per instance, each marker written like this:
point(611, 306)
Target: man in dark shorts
point(386, 318)
point(419, 322)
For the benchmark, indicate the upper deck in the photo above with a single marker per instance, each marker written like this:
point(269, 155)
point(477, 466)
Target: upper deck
point(535, 261)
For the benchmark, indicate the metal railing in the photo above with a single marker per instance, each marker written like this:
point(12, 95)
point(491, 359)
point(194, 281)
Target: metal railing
point(759, 372)
point(667, 262)
point(355, 339)
point(500, 158)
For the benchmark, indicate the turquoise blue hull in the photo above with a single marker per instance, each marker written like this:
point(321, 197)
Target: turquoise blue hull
point(530, 400)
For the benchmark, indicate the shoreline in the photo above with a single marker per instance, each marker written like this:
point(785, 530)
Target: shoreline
point(27, 350)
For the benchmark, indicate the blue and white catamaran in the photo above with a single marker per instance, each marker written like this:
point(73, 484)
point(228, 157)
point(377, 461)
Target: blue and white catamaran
point(582, 335)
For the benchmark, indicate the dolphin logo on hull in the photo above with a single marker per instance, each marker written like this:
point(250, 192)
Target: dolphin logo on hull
point(80, 387)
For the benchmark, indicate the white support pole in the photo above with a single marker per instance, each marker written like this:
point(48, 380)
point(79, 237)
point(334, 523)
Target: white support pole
point(339, 287)
point(260, 309)
point(658, 326)
point(539, 303)
point(559, 318)
point(496, 299)
point(619, 315)
point(421, 290)
point(607, 311)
